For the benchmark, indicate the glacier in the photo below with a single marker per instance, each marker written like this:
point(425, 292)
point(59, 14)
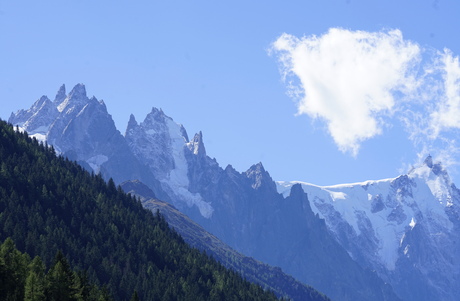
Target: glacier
point(373, 220)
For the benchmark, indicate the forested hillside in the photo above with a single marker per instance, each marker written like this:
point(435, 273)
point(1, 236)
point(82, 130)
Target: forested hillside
point(23, 278)
point(50, 204)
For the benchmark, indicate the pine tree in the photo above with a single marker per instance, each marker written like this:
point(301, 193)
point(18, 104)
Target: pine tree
point(82, 287)
point(15, 267)
point(60, 280)
point(35, 282)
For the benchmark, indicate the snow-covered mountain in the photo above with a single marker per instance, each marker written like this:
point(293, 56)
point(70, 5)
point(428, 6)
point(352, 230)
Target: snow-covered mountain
point(406, 228)
point(81, 129)
point(361, 241)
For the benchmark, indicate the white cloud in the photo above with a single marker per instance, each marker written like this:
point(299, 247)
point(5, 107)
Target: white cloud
point(432, 118)
point(347, 78)
point(447, 114)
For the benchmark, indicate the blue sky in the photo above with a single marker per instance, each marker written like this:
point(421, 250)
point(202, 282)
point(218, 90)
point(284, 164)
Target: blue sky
point(225, 68)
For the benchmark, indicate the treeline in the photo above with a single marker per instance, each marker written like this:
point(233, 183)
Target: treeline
point(48, 203)
point(22, 278)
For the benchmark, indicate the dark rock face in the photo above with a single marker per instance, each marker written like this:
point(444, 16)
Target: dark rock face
point(269, 277)
point(150, 141)
point(377, 204)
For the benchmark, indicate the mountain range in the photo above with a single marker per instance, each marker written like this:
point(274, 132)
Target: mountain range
point(393, 239)
point(99, 242)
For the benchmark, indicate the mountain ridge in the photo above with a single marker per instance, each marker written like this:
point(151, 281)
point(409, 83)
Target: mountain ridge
point(248, 211)
point(88, 154)
point(49, 204)
point(423, 203)
point(239, 208)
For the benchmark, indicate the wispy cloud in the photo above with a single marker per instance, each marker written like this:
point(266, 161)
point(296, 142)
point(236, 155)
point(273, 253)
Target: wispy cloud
point(348, 79)
point(447, 114)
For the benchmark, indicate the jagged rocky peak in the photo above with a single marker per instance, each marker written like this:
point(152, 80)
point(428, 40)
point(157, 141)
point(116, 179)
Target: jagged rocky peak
point(36, 119)
point(232, 173)
point(132, 124)
point(40, 103)
point(155, 123)
point(158, 124)
point(197, 145)
point(436, 167)
point(79, 91)
point(22, 115)
point(256, 169)
point(259, 176)
point(156, 115)
point(430, 167)
point(230, 169)
point(76, 98)
point(60, 95)
point(296, 190)
point(429, 161)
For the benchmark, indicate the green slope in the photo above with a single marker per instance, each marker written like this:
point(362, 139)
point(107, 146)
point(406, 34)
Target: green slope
point(49, 203)
point(22, 278)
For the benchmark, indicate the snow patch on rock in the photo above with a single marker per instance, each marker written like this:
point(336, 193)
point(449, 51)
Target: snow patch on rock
point(96, 162)
point(178, 177)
